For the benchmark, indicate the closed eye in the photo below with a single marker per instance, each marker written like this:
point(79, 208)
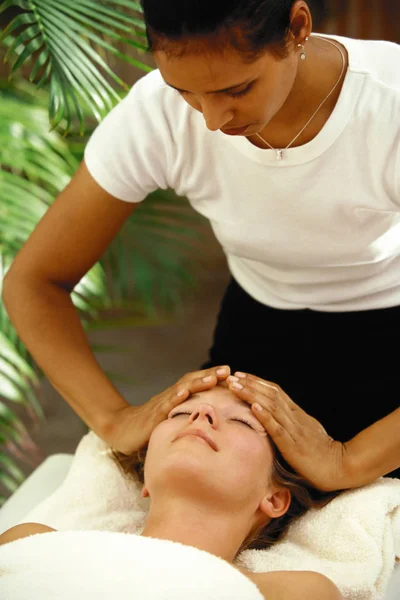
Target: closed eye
point(241, 92)
point(245, 422)
point(180, 413)
point(231, 94)
point(237, 419)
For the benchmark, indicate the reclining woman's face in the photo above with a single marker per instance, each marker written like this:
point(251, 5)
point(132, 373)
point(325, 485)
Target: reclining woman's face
point(231, 469)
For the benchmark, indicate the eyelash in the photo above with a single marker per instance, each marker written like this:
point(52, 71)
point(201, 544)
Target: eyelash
point(231, 94)
point(241, 93)
point(240, 420)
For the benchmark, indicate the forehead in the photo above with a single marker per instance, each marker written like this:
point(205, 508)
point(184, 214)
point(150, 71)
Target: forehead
point(205, 69)
point(220, 396)
point(201, 54)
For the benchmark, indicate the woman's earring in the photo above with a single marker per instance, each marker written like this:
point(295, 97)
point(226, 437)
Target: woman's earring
point(303, 54)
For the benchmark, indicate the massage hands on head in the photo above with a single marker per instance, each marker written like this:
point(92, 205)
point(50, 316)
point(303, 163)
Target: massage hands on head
point(232, 481)
point(301, 439)
point(221, 494)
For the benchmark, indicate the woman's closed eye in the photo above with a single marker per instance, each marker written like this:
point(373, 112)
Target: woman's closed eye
point(233, 419)
point(180, 413)
point(230, 94)
point(245, 422)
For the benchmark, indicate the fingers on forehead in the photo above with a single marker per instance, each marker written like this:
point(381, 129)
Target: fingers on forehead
point(262, 382)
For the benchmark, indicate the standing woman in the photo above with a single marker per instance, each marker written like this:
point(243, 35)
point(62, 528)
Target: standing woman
point(288, 142)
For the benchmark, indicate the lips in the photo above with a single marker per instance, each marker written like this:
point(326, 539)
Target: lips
point(199, 433)
point(235, 131)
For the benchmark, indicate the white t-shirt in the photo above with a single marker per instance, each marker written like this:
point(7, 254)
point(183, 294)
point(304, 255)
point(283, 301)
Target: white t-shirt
point(321, 228)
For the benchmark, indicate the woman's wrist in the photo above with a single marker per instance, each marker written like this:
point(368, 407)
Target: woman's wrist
point(358, 470)
point(351, 468)
point(343, 474)
point(374, 452)
point(108, 421)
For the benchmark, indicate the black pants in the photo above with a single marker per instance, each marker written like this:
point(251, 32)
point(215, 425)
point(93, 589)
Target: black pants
point(342, 368)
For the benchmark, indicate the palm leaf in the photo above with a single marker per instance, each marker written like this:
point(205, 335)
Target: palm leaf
point(144, 271)
point(66, 47)
point(6, 464)
point(148, 260)
point(67, 40)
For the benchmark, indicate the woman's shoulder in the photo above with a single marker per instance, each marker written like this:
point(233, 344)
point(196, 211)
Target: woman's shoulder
point(23, 530)
point(152, 92)
point(149, 84)
point(154, 109)
point(294, 585)
point(377, 59)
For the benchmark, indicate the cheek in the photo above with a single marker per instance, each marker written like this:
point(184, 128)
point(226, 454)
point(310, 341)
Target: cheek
point(250, 453)
point(287, 77)
point(161, 436)
point(159, 440)
point(276, 90)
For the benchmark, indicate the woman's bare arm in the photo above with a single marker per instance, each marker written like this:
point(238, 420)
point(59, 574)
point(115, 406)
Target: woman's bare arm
point(69, 239)
point(305, 444)
point(375, 451)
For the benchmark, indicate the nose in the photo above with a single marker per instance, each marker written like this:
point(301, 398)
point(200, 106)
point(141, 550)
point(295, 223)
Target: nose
point(204, 412)
point(216, 114)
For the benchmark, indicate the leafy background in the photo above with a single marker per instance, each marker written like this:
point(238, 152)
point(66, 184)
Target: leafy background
point(62, 58)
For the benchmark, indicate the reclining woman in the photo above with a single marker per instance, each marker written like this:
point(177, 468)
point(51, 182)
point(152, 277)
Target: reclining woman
point(217, 482)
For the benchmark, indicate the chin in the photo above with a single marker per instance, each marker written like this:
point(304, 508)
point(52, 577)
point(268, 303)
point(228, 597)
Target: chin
point(253, 129)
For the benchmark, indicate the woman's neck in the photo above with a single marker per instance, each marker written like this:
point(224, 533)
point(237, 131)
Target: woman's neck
point(316, 78)
point(201, 526)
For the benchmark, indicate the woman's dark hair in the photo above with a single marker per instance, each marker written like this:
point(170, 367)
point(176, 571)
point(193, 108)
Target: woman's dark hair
point(249, 26)
point(303, 495)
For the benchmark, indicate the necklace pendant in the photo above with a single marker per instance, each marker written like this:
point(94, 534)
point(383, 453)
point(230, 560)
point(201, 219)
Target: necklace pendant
point(279, 154)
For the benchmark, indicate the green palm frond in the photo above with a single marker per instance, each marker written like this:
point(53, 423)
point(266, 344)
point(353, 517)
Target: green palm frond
point(11, 475)
point(69, 43)
point(148, 260)
point(66, 47)
point(144, 271)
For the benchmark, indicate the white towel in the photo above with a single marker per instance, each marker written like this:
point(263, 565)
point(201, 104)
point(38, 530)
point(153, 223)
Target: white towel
point(354, 540)
point(101, 565)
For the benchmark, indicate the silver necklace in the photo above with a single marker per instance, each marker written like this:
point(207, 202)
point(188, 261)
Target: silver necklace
point(280, 151)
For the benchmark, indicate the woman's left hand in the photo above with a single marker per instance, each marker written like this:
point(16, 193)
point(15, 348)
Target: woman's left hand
point(301, 439)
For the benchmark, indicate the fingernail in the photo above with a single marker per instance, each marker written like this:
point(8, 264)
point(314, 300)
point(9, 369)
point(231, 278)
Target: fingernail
point(207, 379)
point(240, 374)
point(222, 371)
point(181, 393)
point(237, 386)
point(257, 407)
point(231, 378)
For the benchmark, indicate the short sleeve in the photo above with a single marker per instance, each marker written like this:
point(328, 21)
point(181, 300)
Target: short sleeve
point(392, 174)
point(397, 171)
point(127, 152)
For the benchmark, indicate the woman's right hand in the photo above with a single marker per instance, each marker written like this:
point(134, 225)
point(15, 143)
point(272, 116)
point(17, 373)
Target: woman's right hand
point(132, 426)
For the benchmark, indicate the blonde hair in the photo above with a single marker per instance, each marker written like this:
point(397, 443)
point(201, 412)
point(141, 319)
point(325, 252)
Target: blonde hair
point(303, 495)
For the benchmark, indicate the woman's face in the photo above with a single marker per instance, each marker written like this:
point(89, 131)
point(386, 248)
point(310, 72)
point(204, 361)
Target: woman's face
point(257, 90)
point(235, 472)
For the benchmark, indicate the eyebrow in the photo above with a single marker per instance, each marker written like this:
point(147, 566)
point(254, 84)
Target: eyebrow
point(228, 89)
